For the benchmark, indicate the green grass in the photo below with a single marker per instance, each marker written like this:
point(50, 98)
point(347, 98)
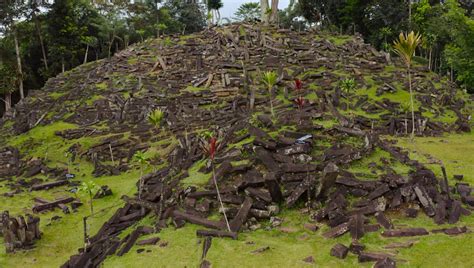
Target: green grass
point(194, 89)
point(361, 166)
point(288, 246)
point(455, 151)
point(132, 61)
point(288, 249)
point(102, 86)
point(195, 177)
point(92, 99)
point(62, 238)
point(56, 95)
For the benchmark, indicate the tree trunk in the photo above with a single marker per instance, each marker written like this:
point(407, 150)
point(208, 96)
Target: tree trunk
point(8, 101)
point(264, 8)
point(87, 52)
point(40, 37)
point(274, 14)
point(111, 43)
point(452, 73)
point(110, 48)
point(412, 106)
point(63, 69)
point(18, 61)
point(429, 58)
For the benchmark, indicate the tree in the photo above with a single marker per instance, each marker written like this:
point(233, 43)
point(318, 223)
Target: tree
point(90, 189)
point(460, 52)
point(269, 13)
point(264, 11)
point(274, 12)
point(33, 8)
point(8, 81)
point(68, 22)
point(385, 32)
point(142, 160)
point(89, 41)
point(214, 6)
point(189, 15)
point(248, 12)
point(270, 79)
point(10, 14)
point(112, 27)
point(405, 47)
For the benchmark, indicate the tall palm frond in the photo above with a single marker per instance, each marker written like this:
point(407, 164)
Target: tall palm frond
point(406, 45)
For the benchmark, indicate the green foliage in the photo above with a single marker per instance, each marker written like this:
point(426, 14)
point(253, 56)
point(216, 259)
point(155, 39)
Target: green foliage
point(70, 22)
point(90, 189)
point(214, 4)
point(348, 85)
point(248, 12)
point(406, 46)
point(67, 28)
point(156, 117)
point(141, 159)
point(269, 78)
point(167, 42)
point(449, 35)
point(206, 134)
point(190, 16)
point(405, 107)
point(8, 78)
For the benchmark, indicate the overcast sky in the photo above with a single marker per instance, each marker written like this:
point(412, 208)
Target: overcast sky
point(230, 6)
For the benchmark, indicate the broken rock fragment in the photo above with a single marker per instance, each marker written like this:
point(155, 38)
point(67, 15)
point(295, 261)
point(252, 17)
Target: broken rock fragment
point(339, 251)
point(405, 232)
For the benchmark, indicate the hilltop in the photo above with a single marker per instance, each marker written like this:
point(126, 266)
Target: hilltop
point(291, 181)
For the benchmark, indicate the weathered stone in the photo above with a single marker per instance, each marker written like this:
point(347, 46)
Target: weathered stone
point(340, 251)
point(405, 232)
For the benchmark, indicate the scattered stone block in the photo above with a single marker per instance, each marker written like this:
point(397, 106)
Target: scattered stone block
point(340, 251)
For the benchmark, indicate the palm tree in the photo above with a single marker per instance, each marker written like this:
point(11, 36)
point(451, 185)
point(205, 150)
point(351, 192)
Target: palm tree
point(90, 189)
point(405, 47)
point(142, 160)
point(270, 79)
point(213, 6)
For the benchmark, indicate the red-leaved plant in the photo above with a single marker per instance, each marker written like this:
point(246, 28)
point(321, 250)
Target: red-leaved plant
point(298, 84)
point(212, 147)
point(211, 150)
point(300, 101)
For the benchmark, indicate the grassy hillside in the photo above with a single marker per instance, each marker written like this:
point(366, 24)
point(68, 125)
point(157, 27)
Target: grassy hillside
point(110, 100)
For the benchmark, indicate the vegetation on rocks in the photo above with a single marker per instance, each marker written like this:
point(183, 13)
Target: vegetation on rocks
point(141, 157)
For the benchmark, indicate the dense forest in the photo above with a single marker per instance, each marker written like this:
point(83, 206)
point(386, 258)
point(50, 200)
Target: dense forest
point(41, 39)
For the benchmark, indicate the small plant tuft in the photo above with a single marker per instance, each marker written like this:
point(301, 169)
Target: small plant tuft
point(142, 160)
point(269, 79)
point(90, 189)
point(348, 85)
